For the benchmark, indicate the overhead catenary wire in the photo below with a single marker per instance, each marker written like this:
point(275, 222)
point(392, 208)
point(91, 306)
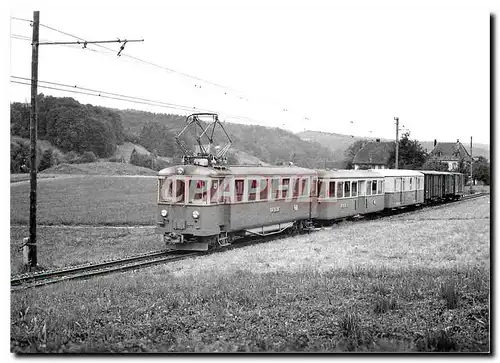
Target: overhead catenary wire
point(183, 108)
point(99, 92)
point(120, 97)
point(238, 94)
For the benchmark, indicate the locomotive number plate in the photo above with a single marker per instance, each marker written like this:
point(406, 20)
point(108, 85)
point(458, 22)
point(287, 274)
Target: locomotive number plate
point(343, 205)
point(274, 209)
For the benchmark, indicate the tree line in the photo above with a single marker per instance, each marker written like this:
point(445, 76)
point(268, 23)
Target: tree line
point(412, 156)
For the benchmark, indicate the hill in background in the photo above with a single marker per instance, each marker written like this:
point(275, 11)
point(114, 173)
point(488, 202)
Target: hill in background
point(251, 143)
point(338, 143)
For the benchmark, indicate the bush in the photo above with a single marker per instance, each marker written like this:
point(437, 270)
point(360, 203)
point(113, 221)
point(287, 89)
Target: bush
point(46, 161)
point(88, 157)
point(140, 160)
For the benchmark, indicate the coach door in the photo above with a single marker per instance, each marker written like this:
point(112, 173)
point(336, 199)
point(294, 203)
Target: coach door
point(401, 190)
point(361, 205)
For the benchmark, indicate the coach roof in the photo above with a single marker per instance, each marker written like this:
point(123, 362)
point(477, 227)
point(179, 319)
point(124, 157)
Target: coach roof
point(349, 174)
point(399, 172)
point(434, 172)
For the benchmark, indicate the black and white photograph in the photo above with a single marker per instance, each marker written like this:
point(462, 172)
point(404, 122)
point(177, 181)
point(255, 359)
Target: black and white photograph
point(250, 177)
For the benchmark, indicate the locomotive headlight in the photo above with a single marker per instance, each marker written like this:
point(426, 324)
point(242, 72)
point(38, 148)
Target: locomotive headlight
point(180, 170)
point(196, 214)
point(164, 212)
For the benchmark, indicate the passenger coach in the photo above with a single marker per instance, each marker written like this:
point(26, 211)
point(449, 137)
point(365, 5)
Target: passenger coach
point(402, 187)
point(344, 193)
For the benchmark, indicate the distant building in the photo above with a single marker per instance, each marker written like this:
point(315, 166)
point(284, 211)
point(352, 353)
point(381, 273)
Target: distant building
point(450, 153)
point(374, 155)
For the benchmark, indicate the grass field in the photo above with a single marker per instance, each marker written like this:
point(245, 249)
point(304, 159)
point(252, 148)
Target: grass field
point(88, 199)
point(99, 168)
point(69, 246)
point(410, 283)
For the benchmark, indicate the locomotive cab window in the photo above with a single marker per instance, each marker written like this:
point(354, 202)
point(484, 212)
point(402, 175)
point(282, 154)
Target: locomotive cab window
point(368, 187)
point(239, 188)
point(252, 189)
point(285, 186)
point(379, 186)
point(374, 187)
point(166, 190)
point(264, 189)
point(198, 191)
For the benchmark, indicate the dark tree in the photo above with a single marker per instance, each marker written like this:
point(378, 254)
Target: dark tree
point(481, 170)
point(351, 152)
point(433, 163)
point(411, 154)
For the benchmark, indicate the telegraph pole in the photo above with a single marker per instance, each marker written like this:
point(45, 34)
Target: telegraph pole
point(31, 242)
point(32, 258)
point(397, 140)
point(471, 160)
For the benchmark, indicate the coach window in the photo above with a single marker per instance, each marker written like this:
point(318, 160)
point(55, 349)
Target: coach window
point(379, 186)
point(285, 185)
point(395, 186)
point(296, 185)
point(239, 188)
point(314, 187)
point(347, 189)
point(264, 189)
point(374, 187)
point(303, 190)
point(331, 190)
point(340, 189)
point(382, 183)
point(411, 183)
point(354, 189)
point(362, 186)
point(252, 189)
point(368, 187)
point(321, 189)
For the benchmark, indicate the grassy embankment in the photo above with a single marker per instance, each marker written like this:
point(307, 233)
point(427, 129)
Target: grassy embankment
point(416, 282)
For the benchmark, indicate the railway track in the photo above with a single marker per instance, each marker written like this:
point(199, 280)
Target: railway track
point(36, 279)
point(29, 280)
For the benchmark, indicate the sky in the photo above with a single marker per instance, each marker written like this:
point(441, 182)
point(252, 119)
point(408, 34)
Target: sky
point(324, 66)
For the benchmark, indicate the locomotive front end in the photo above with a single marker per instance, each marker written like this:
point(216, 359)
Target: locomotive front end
point(187, 215)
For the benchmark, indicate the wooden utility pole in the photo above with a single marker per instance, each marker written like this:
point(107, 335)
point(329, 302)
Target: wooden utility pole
point(32, 258)
point(397, 141)
point(471, 161)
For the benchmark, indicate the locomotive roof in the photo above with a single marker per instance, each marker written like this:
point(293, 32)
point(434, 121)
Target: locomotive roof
point(236, 170)
point(270, 170)
point(351, 174)
point(399, 172)
point(434, 172)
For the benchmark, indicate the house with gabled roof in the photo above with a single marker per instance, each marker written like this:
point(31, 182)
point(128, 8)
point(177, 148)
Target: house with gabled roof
point(374, 155)
point(450, 153)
